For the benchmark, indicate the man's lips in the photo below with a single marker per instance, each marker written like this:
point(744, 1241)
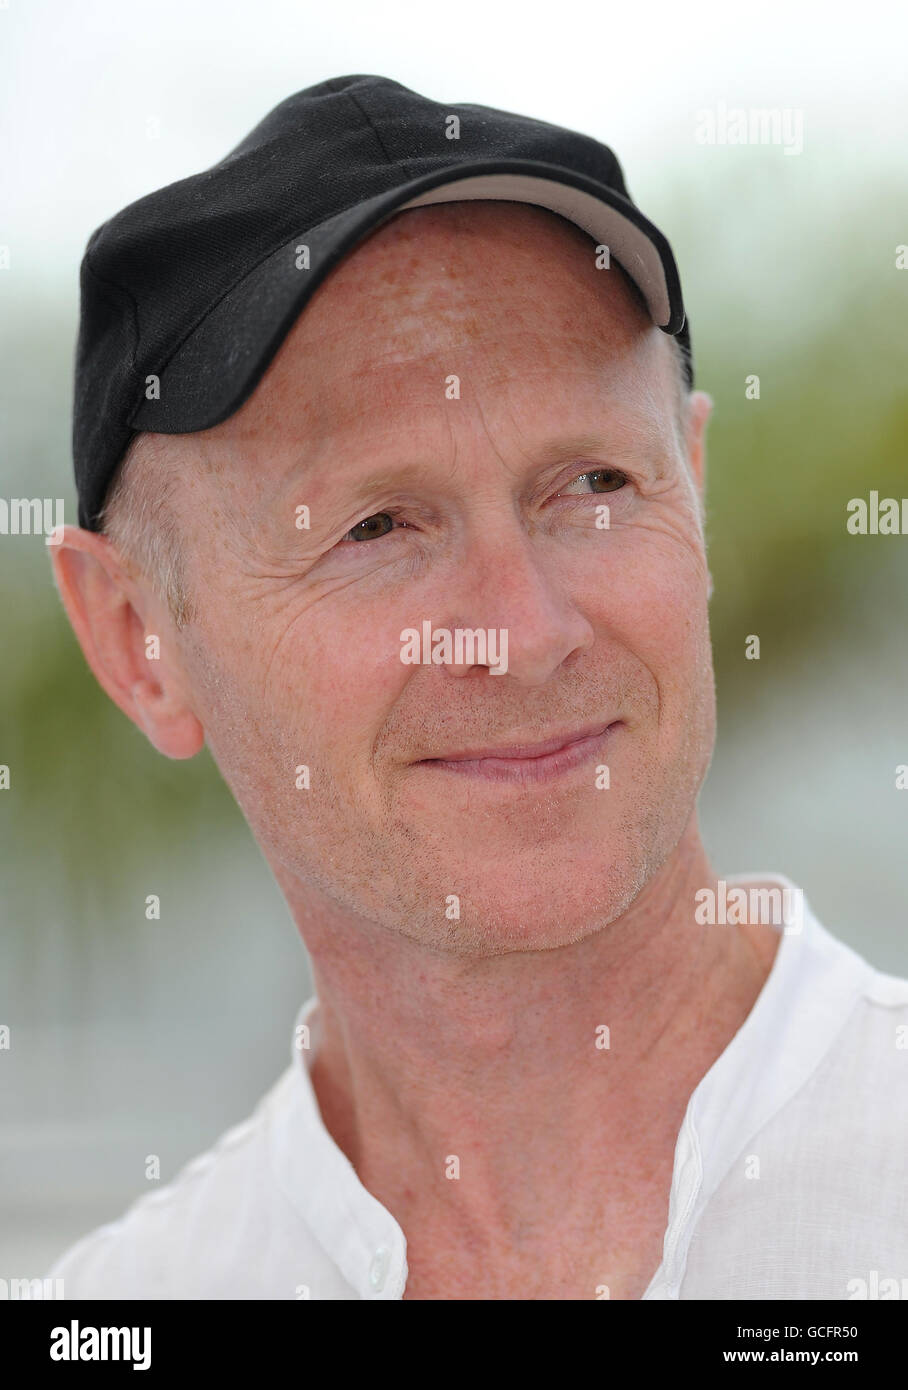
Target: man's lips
point(525, 761)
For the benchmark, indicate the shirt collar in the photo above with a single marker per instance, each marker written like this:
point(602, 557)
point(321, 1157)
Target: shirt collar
point(813, 984)
point(356, 1231)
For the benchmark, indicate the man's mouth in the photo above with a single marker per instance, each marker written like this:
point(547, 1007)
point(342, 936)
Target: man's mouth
point(526, 762)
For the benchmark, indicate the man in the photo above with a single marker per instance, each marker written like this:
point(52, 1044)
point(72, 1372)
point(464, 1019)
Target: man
point(551, 1054)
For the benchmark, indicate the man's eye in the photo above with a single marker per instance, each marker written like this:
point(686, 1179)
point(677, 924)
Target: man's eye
point(371, 527)
point(380, 523)
point(601, 480)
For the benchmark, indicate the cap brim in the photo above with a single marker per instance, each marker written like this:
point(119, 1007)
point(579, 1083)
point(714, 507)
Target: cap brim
point(218, 365)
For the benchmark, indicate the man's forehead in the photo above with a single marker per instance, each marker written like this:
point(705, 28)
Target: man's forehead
point(454, 303)
point(464, 266)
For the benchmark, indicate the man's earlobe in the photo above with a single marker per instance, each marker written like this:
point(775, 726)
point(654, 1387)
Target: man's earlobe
point(113, 616)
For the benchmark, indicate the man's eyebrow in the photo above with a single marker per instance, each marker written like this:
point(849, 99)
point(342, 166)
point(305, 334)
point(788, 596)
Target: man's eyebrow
point(339, 486)
point(631, 441)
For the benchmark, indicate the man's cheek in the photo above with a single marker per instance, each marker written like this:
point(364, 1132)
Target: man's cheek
point(338, 683)
point(667, 629)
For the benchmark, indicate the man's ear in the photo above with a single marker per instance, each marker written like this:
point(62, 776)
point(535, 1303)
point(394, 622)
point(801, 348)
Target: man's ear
point(699, 409)
point(116, 617)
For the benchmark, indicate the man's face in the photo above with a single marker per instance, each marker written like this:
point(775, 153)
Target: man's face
point(482, 513)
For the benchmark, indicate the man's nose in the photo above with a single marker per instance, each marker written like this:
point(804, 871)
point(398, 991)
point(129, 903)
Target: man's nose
point(509, 590)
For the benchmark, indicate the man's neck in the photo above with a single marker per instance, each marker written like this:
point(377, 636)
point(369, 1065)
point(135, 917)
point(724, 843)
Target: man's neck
point(476, 1094)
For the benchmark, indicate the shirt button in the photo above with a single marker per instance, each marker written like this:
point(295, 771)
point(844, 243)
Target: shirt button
point(378, 1270)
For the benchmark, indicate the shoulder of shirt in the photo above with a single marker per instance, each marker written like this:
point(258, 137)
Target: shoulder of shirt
point(138, 1254)
point(888, 991)
point(874, 986)
point(873, 1030)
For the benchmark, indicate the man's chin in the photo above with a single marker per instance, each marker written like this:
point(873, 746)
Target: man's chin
point(558, 904)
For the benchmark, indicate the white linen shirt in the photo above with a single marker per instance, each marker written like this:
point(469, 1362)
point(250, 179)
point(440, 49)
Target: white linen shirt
point(789, 1177)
